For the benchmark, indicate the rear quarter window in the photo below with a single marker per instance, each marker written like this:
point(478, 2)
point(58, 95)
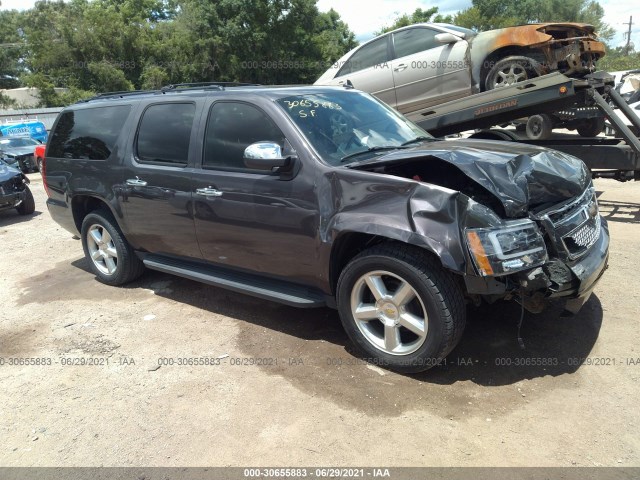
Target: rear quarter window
point(89, 134)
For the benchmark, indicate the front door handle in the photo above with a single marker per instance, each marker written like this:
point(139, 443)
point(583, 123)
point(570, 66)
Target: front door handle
point(136, 182)
point(400, 67)
point(209, 192)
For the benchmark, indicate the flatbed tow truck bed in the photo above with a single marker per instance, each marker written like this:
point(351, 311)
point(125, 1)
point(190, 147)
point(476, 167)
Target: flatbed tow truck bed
point(606, 157)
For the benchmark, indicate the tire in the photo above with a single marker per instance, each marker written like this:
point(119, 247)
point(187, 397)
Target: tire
point(511, 70)
point(591, 127)
point(28, 205)
point(539, 127)
point(432, 295)
point(115, 261)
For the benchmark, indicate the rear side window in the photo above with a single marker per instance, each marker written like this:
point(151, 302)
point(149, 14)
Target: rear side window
point(232, 127)
point(164, 133)
point(89, 134)
point(414, 40)
point(368, 56)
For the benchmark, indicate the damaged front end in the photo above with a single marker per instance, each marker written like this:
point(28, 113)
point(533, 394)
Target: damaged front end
point(517, 222)
point(570, 48)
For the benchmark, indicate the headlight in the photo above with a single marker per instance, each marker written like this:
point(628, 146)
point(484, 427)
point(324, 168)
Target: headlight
point(501, 250)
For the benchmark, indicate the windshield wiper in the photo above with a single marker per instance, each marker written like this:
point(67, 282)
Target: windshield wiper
point(418, 139)
point(371, 149)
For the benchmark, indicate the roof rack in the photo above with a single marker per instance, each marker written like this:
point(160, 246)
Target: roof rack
point(125, 93)
point(220, 85)
point(171, 88)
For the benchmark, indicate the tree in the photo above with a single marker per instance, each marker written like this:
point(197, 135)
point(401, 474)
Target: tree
point(91, 46)
point(619, 58)
point(418, 16)
point(12, 48)
point(490, 14)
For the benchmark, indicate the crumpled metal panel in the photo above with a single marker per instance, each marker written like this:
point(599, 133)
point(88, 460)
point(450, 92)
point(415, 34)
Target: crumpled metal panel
point(518, 175)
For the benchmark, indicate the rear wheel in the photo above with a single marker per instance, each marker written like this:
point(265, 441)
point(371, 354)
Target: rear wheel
point(591, 127)
point(110, 256)
point(400, 307)
point(28, 204)
point(539, 127)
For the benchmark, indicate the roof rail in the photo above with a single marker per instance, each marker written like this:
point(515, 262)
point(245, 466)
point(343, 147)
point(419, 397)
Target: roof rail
point(170, 88)
point(221, 85)
point(125, 93)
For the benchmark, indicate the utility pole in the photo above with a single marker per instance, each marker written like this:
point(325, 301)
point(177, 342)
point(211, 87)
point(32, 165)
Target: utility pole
point(628, 34)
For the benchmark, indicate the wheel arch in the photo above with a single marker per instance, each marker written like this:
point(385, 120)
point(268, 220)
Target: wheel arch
point(498, 54)
point(348, 244)
point(82, 205)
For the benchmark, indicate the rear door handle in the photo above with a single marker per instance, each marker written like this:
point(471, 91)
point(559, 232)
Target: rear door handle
point(136, 182)
point(209, 192)
point(400, 67)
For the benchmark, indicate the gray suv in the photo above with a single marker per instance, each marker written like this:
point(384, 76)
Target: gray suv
point(324, 196)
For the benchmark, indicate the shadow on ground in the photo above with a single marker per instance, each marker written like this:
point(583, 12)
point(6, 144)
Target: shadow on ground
point(624, 212)
point(314, 354)
point(9, 217)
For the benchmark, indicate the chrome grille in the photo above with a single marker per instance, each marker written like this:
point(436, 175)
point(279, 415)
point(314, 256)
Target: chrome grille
point(582, 238)
point(574, 227)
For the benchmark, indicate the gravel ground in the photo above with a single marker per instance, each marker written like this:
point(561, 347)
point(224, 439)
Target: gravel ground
point(284, 389)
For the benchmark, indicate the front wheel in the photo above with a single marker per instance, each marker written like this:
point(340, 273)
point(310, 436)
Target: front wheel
point(400, 307)
point(28, 204)
point(511, 70)
point(110, 256)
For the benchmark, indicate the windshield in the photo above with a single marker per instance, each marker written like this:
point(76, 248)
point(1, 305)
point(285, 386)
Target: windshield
point(347, 126)
point(18, 142)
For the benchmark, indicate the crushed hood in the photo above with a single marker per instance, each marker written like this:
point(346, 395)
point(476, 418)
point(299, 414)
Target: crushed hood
point(18, 151)
point(520, 176)
point(7, 172)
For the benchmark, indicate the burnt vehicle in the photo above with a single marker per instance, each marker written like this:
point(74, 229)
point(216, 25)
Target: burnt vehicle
point(19, 152)
point(14, 190)
point(324, 196)
point(427, 64)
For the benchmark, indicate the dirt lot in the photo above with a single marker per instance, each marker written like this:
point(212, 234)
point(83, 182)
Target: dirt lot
point(317, 405)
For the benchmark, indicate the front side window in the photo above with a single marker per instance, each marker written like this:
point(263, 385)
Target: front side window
point(371, 54)
point(414, 40)
point(345, 126)
point(164, 133)
point(89, 134)
point(231, 128)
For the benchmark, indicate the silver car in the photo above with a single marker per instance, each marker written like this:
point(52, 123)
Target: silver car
point(425, 64)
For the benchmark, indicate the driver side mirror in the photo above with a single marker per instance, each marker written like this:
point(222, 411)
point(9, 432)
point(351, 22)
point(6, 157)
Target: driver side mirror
point(267, 156)
point(447, 38)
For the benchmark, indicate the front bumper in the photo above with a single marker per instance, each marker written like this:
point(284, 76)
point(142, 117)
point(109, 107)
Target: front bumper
point(570, 280)
point(11, 200)
point(577, 287)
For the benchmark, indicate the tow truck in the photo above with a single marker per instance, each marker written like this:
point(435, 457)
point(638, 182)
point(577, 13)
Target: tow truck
point(617, 158)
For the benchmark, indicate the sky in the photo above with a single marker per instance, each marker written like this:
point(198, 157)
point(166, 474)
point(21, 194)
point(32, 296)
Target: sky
point(365, 18)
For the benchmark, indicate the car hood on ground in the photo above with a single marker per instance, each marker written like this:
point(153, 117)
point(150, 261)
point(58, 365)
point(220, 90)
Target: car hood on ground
point(520, 176)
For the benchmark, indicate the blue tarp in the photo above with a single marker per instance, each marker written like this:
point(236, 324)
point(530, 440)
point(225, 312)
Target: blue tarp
point(33, 129)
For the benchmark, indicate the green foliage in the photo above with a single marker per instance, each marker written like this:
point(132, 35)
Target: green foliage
point(418, 16)
point(618, 59)
point(13, 48)
point(6, 102)
point(112, 45)
point(490, 14)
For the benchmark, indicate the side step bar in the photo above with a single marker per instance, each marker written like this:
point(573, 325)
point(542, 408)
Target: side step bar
point(268, 289)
